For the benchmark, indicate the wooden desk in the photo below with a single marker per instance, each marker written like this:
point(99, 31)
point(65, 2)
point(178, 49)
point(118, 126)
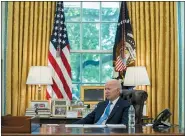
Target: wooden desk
point(48, 130)
point(58, 120)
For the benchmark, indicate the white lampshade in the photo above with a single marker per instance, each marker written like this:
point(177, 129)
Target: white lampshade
point(136, 76)
point(39, 75)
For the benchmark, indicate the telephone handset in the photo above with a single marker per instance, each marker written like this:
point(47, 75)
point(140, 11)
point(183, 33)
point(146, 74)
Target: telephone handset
point(161, 119)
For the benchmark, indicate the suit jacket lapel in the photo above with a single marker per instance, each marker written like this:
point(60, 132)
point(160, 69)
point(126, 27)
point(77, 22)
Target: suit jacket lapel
point(114, 109)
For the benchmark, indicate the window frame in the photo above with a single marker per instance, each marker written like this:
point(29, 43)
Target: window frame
point(81, 51)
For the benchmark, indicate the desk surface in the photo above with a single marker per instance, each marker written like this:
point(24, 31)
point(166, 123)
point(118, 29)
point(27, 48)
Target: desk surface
point(51, 129)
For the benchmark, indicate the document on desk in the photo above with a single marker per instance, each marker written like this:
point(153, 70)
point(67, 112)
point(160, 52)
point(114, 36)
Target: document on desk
point(74, 125)
point(52, 124)
point(94, 126)
point(116, 125)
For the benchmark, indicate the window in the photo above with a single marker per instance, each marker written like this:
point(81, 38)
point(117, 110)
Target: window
point(91, 28)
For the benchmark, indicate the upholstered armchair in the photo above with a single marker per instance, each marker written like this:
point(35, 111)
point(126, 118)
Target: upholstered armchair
point(137, 99)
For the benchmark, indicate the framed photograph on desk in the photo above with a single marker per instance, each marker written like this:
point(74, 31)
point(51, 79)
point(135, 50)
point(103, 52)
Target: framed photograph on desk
point(39, 104)
point(60, 111)
point(59, 108)
point(78, 109)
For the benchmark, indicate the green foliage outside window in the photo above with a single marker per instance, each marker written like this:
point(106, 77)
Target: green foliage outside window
point(91, 28)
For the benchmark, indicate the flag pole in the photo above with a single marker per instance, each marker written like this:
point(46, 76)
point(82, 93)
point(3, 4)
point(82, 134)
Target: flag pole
point(122, 52)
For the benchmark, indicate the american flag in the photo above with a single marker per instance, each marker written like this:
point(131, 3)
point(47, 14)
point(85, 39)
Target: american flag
point(120, 65)
point(59, 58)
point(124, 53)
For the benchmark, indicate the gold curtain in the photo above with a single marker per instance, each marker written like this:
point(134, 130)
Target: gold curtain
point(155, 33)
point(154, 29)
point(29, 30)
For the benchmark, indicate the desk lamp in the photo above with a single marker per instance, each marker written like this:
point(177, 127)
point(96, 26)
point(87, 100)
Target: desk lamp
point(136, 76)
point(39, 75)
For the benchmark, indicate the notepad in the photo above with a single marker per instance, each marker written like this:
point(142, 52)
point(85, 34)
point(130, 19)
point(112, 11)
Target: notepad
point(52, 124)
point(116, 125)
point(74, 125)
point(94, 126)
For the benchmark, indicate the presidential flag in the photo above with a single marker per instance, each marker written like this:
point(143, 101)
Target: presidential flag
point(59, 58)
point(124, 53)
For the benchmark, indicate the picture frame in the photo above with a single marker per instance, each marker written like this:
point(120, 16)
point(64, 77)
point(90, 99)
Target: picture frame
point(59, 107)
point(39, 104)
point(76, 103)
point(92, 94)
point(60, 111)
point(79, 110)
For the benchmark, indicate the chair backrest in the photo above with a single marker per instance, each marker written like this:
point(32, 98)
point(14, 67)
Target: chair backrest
point(137, 99)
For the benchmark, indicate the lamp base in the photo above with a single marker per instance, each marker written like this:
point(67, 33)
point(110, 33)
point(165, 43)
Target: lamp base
point(39, 92)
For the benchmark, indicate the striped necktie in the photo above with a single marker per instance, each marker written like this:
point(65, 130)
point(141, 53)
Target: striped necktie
point(105, 115)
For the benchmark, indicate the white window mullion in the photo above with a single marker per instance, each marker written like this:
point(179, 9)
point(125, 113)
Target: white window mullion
point(100, 64)
point(81, 24)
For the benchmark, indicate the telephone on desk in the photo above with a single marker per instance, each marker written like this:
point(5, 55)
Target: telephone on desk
point(161, 121)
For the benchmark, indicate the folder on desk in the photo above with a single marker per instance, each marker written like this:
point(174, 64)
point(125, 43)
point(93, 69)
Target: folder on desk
point(74, 125)
point(96, 126)
point(116, 125)
point(85, 125)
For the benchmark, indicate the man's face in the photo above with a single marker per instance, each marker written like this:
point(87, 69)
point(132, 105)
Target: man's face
point(111, 91)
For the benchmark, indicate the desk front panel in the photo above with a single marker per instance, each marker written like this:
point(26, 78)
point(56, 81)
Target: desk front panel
point(47, 130)
point(58, 120)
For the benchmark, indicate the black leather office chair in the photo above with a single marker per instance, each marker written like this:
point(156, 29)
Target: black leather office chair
point(137, 99)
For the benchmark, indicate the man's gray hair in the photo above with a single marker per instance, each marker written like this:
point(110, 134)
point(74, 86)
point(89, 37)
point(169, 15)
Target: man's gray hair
point(119, 84)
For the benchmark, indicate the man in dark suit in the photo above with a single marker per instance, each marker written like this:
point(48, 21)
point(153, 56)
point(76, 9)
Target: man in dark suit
point(112, 111)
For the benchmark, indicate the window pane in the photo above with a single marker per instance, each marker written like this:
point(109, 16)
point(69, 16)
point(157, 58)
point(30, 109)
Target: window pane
point(84, 33)
point(75, 66)
point(72, 11)
point(76, 92)
point(90, 70)
point(108, 32)
point(107, 68)
point(74, 35)
point(110, 11)
point(90, 36)
point(90, 11)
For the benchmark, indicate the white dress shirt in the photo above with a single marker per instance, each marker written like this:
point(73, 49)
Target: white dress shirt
point(113, 104)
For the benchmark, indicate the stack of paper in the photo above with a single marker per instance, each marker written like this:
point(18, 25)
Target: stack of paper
point(74, 125)
point(116, 125)
point(96, 126)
